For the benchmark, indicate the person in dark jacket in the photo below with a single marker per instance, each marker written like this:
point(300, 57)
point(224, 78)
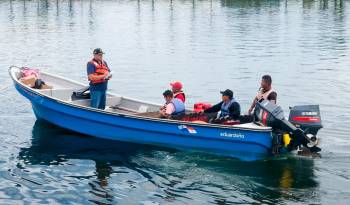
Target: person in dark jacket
point(229, 108)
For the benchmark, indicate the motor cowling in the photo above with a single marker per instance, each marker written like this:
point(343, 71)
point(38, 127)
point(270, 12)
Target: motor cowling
point(269, 114)
point(306, 117)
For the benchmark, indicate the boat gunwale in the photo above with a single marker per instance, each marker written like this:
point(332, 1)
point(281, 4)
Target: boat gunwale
point(32, 90)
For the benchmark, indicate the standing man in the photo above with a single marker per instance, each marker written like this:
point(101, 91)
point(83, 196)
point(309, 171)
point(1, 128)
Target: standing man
point(265, 93)
point(98, 75)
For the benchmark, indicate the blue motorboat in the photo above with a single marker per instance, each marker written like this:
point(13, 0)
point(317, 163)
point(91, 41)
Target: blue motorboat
point(124, 120)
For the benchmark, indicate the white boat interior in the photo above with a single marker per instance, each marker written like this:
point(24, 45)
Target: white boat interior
point(62, 89)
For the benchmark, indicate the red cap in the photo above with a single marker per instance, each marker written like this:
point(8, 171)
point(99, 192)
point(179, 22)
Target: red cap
point(176, 85)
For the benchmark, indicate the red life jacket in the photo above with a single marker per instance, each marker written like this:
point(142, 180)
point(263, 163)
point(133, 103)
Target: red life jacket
point(181, 96)
point(200, 106)
point(100, 69)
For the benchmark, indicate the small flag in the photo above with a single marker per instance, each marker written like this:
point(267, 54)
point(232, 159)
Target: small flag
point(191, 130)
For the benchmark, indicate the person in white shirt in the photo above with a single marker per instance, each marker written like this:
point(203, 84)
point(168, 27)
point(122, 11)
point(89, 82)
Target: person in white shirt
point(172, 107)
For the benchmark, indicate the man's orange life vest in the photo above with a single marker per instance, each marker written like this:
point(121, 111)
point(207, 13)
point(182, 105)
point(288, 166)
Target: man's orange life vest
point(100, 69)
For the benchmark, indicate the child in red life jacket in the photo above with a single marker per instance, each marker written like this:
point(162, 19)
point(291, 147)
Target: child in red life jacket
point(176, 88)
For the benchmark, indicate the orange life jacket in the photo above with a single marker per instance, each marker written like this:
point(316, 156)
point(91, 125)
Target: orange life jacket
point(100, 69)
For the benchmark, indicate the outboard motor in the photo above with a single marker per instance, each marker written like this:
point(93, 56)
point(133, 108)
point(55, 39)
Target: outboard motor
point(301, 130)
point(306, 117)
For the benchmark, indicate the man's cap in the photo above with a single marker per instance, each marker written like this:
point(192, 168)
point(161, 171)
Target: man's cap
point(177, 85)
point(98, 51)
point(227, 92)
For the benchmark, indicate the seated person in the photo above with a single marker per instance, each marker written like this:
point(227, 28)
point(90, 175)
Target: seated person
point(176, 87)
point(173, 107)
point(229, 108)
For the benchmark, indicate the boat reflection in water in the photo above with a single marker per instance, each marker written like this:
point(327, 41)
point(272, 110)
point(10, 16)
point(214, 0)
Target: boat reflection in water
point(172, 173)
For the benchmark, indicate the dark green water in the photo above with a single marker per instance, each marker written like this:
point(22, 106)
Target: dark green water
point(210, 46)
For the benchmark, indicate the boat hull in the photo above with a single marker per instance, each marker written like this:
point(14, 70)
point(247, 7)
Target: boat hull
point(239, 143)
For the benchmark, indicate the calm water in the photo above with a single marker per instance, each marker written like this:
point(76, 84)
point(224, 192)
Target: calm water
point(210, 46)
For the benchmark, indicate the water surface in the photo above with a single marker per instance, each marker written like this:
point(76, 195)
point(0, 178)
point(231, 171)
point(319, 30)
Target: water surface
point(209, 46)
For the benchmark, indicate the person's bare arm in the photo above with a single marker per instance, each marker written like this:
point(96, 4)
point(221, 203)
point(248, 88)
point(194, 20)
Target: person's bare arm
point(163, 113)
point(252, 106)
point(273, 97)
point(95, 76)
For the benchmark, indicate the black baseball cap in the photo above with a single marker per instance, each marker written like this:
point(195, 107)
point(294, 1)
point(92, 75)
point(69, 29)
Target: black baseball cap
point(227, 92)
point(98, 51)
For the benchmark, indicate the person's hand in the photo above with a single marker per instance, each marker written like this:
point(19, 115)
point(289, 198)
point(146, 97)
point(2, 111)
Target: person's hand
point(259, 96)
point(250, 111)
point(163, 114)
point(103, 76)
point(110, 75)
